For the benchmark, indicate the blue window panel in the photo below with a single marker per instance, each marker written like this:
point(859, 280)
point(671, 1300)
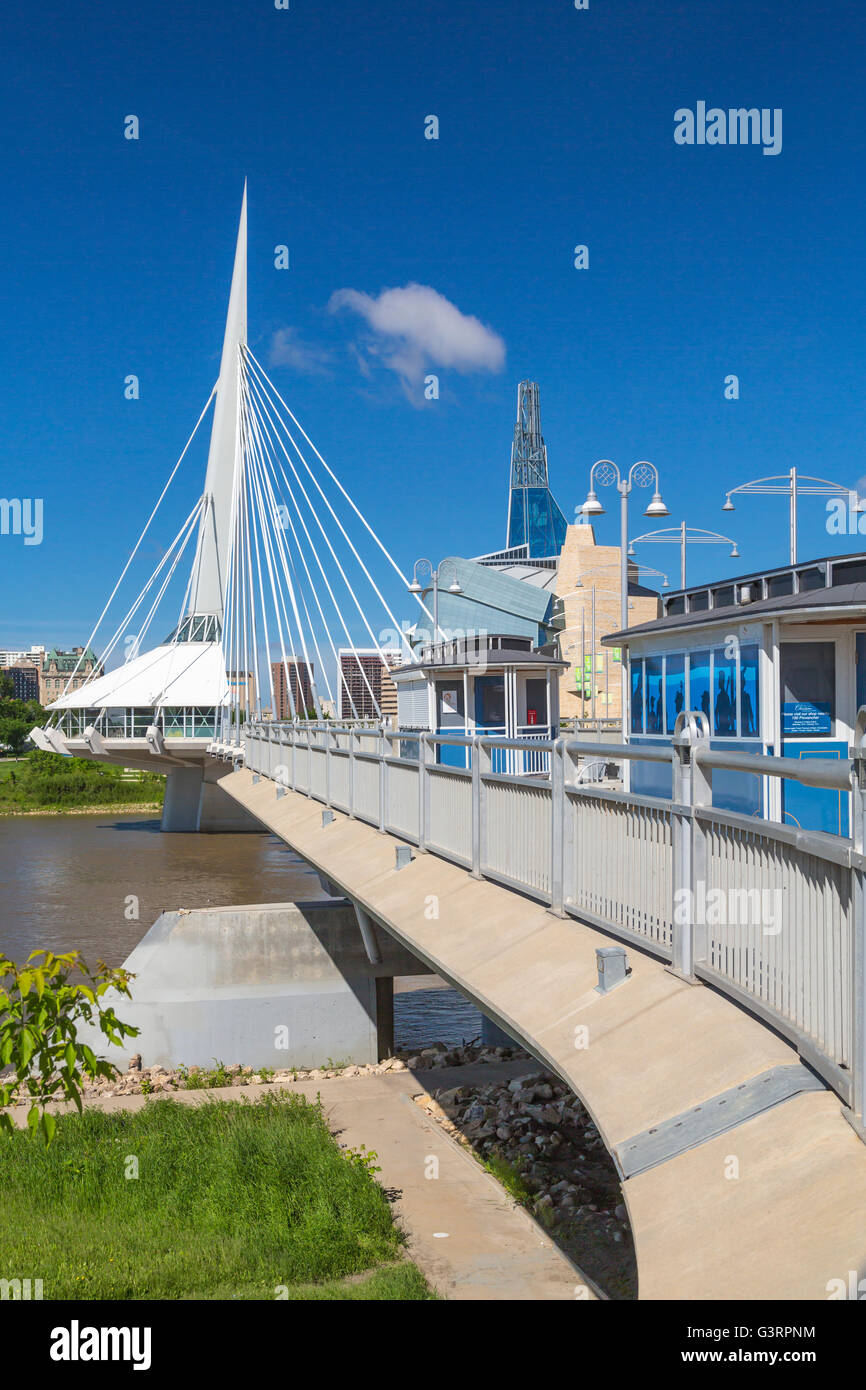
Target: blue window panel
point(750, 713)
point(651, 779)
point(675, 690)
point(699, 683)
point(738, 791)
point(653, 695)
point(724, 694)
point(815, 808)
point(516, 520)
point(637, 697)
point(539, 527)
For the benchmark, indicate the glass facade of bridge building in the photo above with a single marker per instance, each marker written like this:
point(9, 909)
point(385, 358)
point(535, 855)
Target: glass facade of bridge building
point(776, 662)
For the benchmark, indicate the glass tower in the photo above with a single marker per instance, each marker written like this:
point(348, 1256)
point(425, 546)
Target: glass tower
point(534, 519)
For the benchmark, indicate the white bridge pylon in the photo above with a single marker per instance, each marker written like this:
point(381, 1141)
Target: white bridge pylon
point(285, 566)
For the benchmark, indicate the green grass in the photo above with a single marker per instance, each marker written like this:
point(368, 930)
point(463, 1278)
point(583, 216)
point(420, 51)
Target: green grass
point(233, 1200)
point(51, 782)
point(510, 1176)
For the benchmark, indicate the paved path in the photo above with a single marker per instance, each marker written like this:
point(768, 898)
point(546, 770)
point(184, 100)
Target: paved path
point(464, 1232)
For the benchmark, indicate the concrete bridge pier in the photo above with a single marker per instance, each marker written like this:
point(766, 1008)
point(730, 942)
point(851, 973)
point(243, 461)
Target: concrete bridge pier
point(194, 802)
point(275, 985)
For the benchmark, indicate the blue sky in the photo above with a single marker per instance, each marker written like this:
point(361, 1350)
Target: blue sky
point(556, 129)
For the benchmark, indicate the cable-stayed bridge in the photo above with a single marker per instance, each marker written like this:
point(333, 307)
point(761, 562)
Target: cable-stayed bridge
point(722, 1054)
point(282, 567)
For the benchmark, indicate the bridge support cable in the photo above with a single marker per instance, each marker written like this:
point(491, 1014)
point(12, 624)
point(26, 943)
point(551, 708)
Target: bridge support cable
point(339, 566)
point(280, 560)
point(261, 405)
point(264, 376)
point(268, 387)
point(180, 539)
point(265, 421)
point(269, 535)
point(144, 531)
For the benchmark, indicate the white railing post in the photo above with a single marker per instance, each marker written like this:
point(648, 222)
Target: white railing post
point(557, 827)
point(293, 734)
point(858, 934)
point(423, 792)
point(688, 861)
point(481, 762)
point(383, 780)
point(352, 771)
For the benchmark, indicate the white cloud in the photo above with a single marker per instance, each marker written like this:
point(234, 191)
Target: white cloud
point(288, 350)
point(415, 327)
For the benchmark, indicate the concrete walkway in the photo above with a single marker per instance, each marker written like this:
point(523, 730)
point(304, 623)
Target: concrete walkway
point(773, 1208)
point(465, 1234)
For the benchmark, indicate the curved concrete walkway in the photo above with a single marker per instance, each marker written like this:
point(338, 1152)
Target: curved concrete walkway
point(775, 1207)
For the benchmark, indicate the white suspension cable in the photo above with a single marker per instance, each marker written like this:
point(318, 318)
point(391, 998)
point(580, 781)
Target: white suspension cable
point(140, 539)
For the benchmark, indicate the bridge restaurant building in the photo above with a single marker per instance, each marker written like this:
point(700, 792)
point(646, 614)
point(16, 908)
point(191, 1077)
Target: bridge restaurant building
point(776, 661)
point(485, 684)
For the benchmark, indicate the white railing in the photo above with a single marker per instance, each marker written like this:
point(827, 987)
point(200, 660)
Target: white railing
point(773, 916)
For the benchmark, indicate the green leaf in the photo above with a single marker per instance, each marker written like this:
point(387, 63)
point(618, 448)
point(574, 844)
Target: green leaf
point(49, 1125)
point(26, 1045)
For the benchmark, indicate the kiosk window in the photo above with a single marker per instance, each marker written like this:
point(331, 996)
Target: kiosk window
point(808, 671)
point(724, 694)
point(654, 711)
point(675, 690)
point(699, 682)
point(637, 697)
point(749, 711)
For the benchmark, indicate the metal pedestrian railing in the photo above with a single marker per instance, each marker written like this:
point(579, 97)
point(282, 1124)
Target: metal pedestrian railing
point(771, 915)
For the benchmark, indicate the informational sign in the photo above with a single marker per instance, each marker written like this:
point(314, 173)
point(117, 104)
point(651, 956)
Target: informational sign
point(804, 718)
point(449, 702)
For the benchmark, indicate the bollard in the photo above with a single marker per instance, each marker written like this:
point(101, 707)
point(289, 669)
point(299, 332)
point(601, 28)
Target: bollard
point(612, 964)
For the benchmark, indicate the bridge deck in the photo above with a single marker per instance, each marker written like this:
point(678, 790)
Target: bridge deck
point(795, 1215)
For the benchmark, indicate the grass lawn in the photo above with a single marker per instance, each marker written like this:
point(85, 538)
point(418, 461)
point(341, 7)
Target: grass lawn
point(232, 1200)
point(49, 782)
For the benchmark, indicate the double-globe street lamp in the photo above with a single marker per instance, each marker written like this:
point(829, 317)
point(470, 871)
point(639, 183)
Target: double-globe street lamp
point(416, 588)
point(606, 473)
point(683, 536)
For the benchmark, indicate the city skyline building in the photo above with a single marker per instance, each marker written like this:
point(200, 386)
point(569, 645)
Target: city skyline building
point(14, 656)
point(366, 684)
point(292, 697)
point(61, 669)
point(25, 680)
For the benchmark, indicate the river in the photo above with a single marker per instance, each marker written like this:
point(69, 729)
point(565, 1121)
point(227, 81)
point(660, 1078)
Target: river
point(96, 883)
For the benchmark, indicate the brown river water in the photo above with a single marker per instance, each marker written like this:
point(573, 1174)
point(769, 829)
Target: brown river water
point(66, 883)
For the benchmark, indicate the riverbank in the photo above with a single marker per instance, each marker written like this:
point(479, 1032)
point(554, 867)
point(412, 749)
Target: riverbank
point(49, 784)
point(120, 808)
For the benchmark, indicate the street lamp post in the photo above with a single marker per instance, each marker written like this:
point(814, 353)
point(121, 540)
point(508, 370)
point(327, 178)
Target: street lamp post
point(641, 474)
point(416, 588)
point(682, 536)
point(792, 485)
point(610, 593)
